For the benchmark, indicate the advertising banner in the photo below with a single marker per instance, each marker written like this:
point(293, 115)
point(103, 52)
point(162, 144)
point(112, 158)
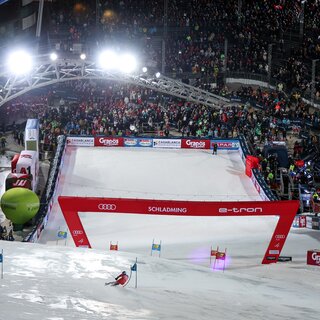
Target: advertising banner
point(146, 143)
point(286, 210)
point(225, 144)
point(313, 257)
point(167, 143)
point(309, 222)
point(80, 141)
point(195, 144)
point(130, 142)
point(137, 142)
point(300, 222)
point(108, 142)
point(315, 223)
point(259, 188)
point(256, 184)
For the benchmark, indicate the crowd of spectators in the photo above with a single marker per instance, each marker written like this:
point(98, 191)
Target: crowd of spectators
point(196, 32)
point(263, 116)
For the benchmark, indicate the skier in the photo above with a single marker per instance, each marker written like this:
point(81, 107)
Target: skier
point(120, 279)
point(215, 148)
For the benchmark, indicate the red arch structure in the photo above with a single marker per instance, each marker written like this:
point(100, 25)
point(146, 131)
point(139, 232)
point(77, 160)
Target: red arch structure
point(286, 210)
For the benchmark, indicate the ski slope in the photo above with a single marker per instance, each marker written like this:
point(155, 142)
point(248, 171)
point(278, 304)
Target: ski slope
point(159, 174)
point(53, 281)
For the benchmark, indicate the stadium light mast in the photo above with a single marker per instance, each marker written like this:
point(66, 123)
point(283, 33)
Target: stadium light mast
point(39, 22)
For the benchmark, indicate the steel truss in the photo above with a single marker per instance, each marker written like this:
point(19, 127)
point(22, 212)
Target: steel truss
point(47, 72)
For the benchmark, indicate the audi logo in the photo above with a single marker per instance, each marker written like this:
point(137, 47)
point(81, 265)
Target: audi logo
point(77, 232)
point(107, 207)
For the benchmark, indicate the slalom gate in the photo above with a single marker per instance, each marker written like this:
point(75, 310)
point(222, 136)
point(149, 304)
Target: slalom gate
point(286, 210)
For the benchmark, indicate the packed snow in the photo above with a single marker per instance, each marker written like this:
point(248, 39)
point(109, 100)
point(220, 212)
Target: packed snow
point(54, 280)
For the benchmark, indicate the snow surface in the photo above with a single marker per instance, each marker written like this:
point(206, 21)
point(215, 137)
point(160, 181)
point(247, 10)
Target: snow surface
point(57, 282)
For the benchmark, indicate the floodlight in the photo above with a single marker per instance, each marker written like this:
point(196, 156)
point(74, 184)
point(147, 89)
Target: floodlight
point(108, 60)
point(158, 74)
point(127, 63)
point(53, 56)
point(83, 56)
point(19, 62)
point(144, 69)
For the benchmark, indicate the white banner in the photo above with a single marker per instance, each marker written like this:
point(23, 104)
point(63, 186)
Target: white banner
point(167, 143)
point(309, 222)
point(80, 141)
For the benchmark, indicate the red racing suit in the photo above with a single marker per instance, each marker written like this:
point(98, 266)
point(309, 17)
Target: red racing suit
point(122, 279)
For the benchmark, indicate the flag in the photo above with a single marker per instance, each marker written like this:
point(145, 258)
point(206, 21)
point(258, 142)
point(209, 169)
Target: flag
point(213, 253)
point(134, 267)
point(62, 234)
point(156, 247)
point(1, 258)
point(221, 255)
point(114, 247)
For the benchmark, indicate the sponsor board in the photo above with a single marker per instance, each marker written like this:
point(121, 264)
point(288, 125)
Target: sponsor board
point(145, 142)
point(107, 206)
point(77, 232)
point(226, 144)
point(313, 257)
point(108, 142)
point(280, 237)
point(259, 189)
point(315, 223)
point(256, 183)
point(240, 210)
point(80, 141)
point(284, 258)
point(167, 143)
point(137, 142)
point(309, 222)
point(167, 210)
point(300, 222)
point(271, 258)
point(130, 142)
point(195, 144)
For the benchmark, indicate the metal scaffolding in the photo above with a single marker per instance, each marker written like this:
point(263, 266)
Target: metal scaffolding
point(46, 72)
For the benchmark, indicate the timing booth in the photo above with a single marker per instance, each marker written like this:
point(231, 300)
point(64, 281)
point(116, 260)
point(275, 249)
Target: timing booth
point(32, 135)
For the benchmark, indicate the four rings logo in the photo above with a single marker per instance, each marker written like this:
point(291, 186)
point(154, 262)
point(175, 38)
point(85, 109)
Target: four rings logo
point(107, 206)
point(77, 232)
point(280, 237)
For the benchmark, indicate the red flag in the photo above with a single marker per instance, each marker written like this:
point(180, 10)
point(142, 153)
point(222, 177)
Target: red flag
point(114, 247)
point(213, 253)
point(221, 255)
